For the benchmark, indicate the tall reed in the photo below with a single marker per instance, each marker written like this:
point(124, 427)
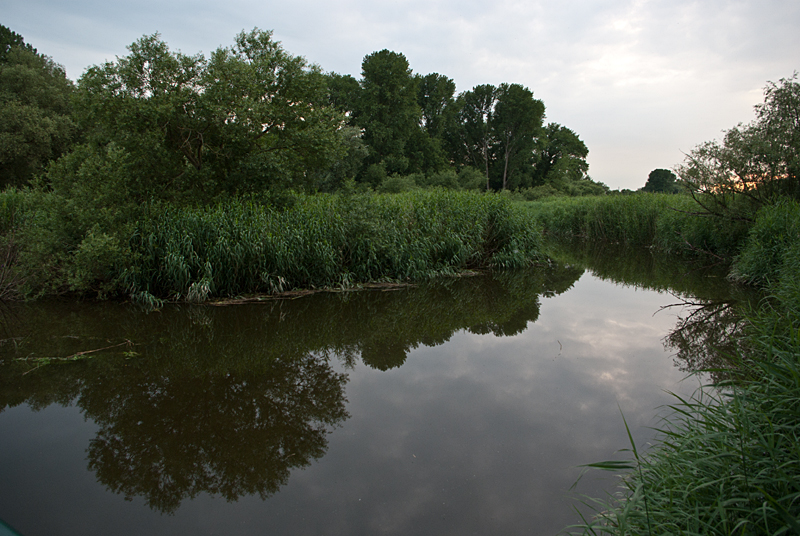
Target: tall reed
point(324, 241)
point(669, 223)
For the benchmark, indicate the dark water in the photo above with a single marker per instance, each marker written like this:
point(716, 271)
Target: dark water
point(458, 407)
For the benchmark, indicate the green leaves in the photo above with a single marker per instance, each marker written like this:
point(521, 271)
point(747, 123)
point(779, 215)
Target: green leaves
point(249, 118)
point(35, 125)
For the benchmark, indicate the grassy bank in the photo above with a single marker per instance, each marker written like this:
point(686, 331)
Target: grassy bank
point(670, 223)
point(264, 245)
point(728, 460)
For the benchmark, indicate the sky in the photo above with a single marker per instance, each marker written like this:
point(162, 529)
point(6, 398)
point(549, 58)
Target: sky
point(642, 82)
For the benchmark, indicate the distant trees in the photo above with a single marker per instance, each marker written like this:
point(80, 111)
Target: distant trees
point(661, 180)
point(496, 131)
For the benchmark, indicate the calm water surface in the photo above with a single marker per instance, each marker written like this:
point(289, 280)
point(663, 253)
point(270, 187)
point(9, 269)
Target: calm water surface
point(459, 407)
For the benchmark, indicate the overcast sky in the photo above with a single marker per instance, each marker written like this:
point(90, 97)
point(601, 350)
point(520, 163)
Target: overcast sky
point(641, 82)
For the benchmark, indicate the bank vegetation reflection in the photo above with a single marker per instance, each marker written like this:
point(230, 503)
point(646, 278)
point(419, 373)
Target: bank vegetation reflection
point(229, 400)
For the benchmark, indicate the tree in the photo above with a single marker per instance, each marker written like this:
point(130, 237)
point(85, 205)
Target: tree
point(561, 158)
point(343, 93)
point(434, 94)
point(388, 111)
point(35, 122)
point(517, 123)
point(10, 39)
point(661, 180)
point(472, 136)
point(251, 117)
point(755, 164)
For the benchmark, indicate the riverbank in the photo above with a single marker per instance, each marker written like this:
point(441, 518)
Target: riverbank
point(728, 459)
point(259, 245)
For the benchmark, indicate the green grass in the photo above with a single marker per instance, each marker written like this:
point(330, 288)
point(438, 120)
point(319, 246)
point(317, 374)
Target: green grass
point(325, 241)
point(669, 223)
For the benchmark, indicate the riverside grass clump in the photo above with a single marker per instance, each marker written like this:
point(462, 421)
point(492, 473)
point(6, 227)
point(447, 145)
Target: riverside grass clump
point(324, 241)
point(669, 223)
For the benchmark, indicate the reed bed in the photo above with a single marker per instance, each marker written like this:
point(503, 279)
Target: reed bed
point(324, 241)
point(669, 223)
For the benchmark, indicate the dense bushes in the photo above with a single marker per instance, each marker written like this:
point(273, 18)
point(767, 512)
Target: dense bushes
point(269, 244)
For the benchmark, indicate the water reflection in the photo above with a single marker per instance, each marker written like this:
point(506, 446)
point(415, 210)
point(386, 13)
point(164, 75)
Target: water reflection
point(168, 438)
point(229, 400)
point(347, 410)
point(710, 310)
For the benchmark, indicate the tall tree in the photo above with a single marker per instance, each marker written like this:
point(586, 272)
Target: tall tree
point(388, 110)
point(661, 180)
point(517, 123)
point(250, 118)
point(561, 158)
point(473, 134)
point(343, 93)
point(435, 92)
point(35, 122)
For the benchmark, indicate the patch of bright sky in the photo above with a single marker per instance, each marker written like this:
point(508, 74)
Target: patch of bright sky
point(640, 81)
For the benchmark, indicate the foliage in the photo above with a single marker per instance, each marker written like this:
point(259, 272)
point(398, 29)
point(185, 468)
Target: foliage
point(755, 164)
point(388, 112)
point(249, 118)
point(661, 181)
point(35, 122)
point(667, 223)
point(325, 241)
point(10, 39)
point(771, 253)
point(561, 158)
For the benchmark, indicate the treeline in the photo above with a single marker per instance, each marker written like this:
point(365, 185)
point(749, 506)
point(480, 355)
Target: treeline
point(252, 117)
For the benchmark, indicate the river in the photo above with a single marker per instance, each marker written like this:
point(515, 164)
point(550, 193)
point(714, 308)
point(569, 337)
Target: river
point(460, 406)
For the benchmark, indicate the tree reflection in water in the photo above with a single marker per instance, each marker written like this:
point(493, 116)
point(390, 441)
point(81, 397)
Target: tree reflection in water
point(708, 337)
point(229, 400)
point(169, 438)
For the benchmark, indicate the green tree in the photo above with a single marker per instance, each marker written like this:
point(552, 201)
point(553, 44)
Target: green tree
point(10, 39)
point(517, 124)
point(561, 158)
point(661, 180)
point(434, 94)
point(35, 122)
point(250, 118)
point(343, 94)
point(388, 111)
point(755, 164)
point(472, 137)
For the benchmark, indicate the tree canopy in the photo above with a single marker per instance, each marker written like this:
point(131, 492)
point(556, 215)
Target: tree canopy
point(756, 162)
point(661, 180)
point(35, 121)
point(251, 117)
point(248, 118)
